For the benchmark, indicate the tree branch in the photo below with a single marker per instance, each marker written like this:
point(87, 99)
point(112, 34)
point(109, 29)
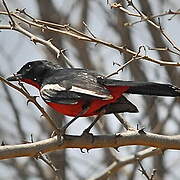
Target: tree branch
point(68, 30)
point(118, 164)
point(31, 99)
point(99, 141)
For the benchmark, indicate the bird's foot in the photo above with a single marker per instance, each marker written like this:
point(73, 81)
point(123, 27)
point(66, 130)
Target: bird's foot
point(86, 133)
point(59, 132)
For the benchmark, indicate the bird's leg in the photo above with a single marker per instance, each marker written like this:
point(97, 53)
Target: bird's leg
point(63, 129)
point(87, 130)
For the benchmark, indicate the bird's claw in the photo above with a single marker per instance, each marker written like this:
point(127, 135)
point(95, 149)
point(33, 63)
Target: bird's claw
point(86, 133)
point(58, 132)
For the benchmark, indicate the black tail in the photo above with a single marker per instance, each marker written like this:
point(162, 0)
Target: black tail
point(145, 88)
point(154, 89)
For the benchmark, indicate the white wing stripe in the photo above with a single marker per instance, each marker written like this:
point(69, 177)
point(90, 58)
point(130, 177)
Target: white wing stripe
point(57, 87)
point(92, 93)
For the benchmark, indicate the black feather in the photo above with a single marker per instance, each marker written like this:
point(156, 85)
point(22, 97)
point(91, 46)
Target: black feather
point(144, 88)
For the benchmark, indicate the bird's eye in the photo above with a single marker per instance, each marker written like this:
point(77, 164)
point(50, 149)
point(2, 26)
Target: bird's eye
point(28, 67)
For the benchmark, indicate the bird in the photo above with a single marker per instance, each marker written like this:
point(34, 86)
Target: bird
point(81, 92)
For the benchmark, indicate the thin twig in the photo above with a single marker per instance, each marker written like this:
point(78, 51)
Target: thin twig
point(12, 22)
point(147, 19)
point(34, 38)
point(143, 171)
point(135, 57)
point(45, 159)
point(126, 125)
point(31, 99)
point(67, 30)
point(89, 30)
point(167, 37)
point(164, 49)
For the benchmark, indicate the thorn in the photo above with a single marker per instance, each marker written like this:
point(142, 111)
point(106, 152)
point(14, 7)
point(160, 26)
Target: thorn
point(32, 140)
point(96, 44)
point(137, 126)
point(116, 148)
point(35, 97)
point(140, 171)
point(129, 3)
point(141, 131)
point(3, 143)
point(67, 27)
point(28, 101)
point(124, 47)
point(118, 135)
point(88, 150)
point(49, 40)
point(81, 149)
point(33, 39)
point(24, 141)
point(63, 51)
point(21, 10)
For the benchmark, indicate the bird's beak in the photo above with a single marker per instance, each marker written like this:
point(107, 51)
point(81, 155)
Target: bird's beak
point(15, 77)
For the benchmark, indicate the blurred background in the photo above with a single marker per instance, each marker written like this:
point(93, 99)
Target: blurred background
point(160, 115)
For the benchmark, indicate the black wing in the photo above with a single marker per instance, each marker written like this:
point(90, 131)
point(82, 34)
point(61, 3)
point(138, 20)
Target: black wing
point(120, 106)
point(68, 86)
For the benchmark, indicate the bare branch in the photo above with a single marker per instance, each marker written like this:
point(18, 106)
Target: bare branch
point(164, 49)
point(118, 164)
point(135, 57)
point(12, 22)
point(143, 171)
point(67, 30)
point(126, 125)
point(31, 99)
point(100, 141)
point(147, 19)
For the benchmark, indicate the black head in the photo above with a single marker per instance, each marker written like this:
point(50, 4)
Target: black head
point(34, 71)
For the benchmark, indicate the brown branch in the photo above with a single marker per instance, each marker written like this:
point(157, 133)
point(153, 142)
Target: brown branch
point(100, 141)
point(135, 57)
point(118, 164)
point(126, 125)
point(15, 111)
point(46, 160)
point(167, 37)
point(119, 5)
point(33, 38)
point(86, 26)
point(31, 99)
point(12, 22)
point(164, 49)
point(67, 30)
point(147, 19)
point(143, 171)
